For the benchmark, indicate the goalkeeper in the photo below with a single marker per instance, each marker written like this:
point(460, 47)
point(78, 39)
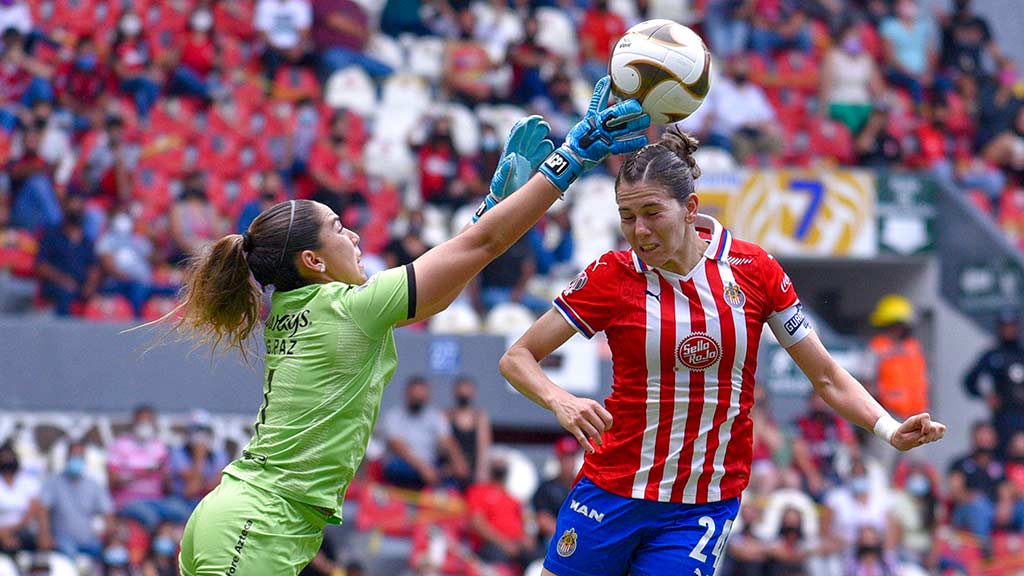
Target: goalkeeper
point(330, 348)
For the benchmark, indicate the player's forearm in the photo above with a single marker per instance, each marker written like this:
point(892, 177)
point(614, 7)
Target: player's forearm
point(523, 371)
point(848, 397)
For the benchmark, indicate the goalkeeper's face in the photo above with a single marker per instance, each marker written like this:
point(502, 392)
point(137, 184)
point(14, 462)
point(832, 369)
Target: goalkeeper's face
point(339, 251)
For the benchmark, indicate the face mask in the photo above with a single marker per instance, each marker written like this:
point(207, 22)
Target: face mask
point(859, 485)
point(741, 77)
point(918, 485)
point(121, 224)
point(75, 466)
point(164, 546)
point(985, 452)
point(463, 401)
point(489, 143)
point(499, 474)
point(73, 217)
point(86, 62)
point(869, 550)
point(794, 531)
point(852, 46)
point(416, 408)
point(203, 438)
point(9, 467)
point(145, 431)
point(337, 139)
point(116, 556)
point(131, 25)
point(201, 21)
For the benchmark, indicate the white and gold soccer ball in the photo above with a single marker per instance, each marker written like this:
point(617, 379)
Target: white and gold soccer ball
point(663, 65)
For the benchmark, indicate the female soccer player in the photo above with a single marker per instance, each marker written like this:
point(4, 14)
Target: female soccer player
point(329, 344)
point(683, 311)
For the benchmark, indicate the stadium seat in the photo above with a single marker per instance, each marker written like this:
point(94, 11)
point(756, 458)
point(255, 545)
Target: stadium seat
point(389, 158)
point(108, 308)
point(351, 88)
point(1011, 215)
point(712, 159)
point(981, 201)
point(556, 33)
point(831, 140)
point(7, 566)
point(441, 550)
point(18, 250)
point(386, 49)
point(465, 129)
point(508, 319)
point(459, 318)
point(504, 116)
point(426, 57)
point(523, 477)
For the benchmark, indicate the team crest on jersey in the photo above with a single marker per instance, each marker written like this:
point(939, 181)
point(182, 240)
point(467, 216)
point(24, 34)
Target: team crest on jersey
point(578, 283)
point(699, 351)
point(734, 296)
point(567, 543)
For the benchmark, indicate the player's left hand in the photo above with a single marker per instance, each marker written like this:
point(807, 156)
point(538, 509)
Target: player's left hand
point(526, 146)
point(917, 431)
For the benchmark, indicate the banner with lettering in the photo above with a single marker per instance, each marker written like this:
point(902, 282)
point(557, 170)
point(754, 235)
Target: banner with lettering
point(819, 213)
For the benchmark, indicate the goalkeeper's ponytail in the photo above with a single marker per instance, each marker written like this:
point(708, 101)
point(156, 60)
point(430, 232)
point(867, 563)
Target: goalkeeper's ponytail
point(669, 163)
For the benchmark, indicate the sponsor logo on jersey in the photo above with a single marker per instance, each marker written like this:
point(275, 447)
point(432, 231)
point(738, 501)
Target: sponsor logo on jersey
point(734, 296)
point(699, 351)
point(786, 283)
point(586, 512)
point(567, 543)
point(577, 284)
point(794, 323)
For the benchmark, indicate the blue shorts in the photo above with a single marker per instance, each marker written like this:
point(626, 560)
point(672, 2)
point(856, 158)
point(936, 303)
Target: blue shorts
point(600, 533)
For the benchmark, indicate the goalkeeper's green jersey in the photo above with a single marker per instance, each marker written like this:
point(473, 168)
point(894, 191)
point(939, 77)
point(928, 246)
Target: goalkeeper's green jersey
point(330, 352)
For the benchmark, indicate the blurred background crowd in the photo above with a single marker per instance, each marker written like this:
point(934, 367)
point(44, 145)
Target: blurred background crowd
point(134, 133)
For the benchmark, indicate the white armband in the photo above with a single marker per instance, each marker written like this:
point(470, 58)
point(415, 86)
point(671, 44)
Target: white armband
point(885, 428)
point(790, 325)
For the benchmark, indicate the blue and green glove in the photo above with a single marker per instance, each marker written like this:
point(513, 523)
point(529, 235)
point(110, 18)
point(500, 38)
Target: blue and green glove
point(526, 147)
point(602, 132)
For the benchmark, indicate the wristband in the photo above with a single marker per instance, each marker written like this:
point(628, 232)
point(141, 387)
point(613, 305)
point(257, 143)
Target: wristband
point(490, 201)
point(885, 427)
point(561, 168)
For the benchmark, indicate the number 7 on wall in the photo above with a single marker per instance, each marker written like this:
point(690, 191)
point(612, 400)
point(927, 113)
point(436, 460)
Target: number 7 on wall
point(816, 190)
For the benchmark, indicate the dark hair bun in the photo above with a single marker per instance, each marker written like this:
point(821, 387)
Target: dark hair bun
point(682, 145)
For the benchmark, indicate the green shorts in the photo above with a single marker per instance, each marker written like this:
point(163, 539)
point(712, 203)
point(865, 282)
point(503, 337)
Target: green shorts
point(241, 529)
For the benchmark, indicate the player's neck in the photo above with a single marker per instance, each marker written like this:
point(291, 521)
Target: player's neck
point(691, 255)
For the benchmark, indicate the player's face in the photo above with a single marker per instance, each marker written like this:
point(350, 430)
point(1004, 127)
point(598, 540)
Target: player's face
point(339, 250)
point(655, 223)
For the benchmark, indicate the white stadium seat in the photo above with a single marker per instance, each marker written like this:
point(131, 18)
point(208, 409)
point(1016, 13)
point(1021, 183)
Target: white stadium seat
point(459, 318)
point(556, 32)
point(508, 319)
point(523, 478)
point(387, 50)
point(426, 57)
point(352, 88)
point(389, 158)
point(465, 128)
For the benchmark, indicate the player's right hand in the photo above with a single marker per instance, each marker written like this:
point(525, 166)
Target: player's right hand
point(526, 146)
point(584, 418)
point(602, 131)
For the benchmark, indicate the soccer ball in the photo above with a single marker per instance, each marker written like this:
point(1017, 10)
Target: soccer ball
point(663, 65)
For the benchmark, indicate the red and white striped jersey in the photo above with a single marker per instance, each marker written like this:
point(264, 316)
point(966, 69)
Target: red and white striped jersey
point(684, 352)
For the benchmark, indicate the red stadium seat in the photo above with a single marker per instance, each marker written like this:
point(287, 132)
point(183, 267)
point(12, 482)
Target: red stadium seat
point(1011, 215)
point(458, 559)
point(18, 250)
point(832, 140)
point(218, 153)
point(293, 83)
point(108, 308)
point(379, 509)
point(229, 194)
point(234, 19)
point(797, 72)
point(159, 306)
point(980, 200)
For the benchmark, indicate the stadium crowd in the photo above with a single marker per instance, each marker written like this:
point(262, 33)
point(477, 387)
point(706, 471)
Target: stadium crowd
point(135, 133)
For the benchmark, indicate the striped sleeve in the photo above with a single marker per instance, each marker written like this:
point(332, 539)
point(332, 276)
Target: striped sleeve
point(588, 303)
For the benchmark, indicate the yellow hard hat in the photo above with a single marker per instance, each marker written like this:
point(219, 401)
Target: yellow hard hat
point(892, 309)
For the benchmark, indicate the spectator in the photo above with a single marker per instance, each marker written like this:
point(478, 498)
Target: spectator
point(551, 241)
point(104, 164)
point(284, 27)
point(496, 520)
point(196, 465)
point(741, 119)
point(407, 243)
point(1015, 462)
point(910, 52)
point(471, 427)
point(855, 505)
point(399, 16)
point(467, 66)
point(976, 487)
point(271, 191)
point(77, 507)
point(139, 472)
point(16, 14)
point(1006, 149)
point(779, 26)
point(850, 80)
point(870, 557)
point(901, 370)
point(598, 33)
point(950, 158)
point(23, 78)
point(336, 168)
point(820, 440)
point(967, 43)
point(528, 59)
point(558, 106)
point(198, 59)
point(194, 221)
point(82, 84)
point(163, 552)
point(788, 553)
point(998, 377)
point(506, 279)
point(125, 258)
point(66, 264)
point(19, 503)
point(440, 166)
point(415, 433)
point(548, 498)
point(727, 26)
point(916, 509)
point(341, 30)
point(134, 68)
point(36, 202)
point(874, 145)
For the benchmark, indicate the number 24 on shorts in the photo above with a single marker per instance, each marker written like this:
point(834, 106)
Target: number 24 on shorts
point(698, 554)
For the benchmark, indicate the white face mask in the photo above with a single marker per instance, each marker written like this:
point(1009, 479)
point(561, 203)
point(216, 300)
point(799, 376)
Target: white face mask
point(145, 431)
point(131, 25)
point(201, 21)
point(121, 225)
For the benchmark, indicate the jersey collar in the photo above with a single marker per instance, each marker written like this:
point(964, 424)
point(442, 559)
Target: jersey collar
point(718, 247)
